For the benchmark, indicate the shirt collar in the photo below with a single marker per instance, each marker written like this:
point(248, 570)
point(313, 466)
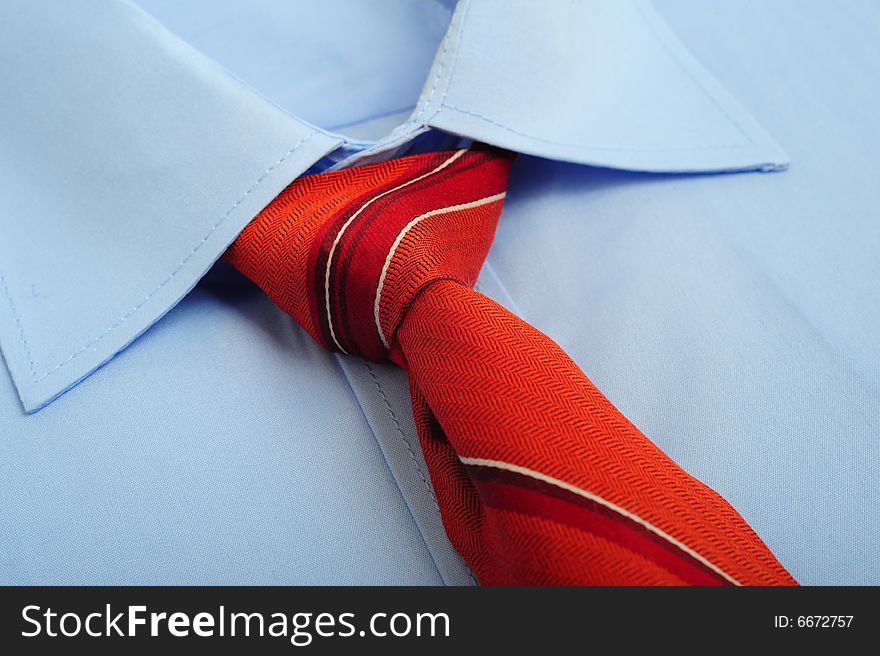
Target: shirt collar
point(134, 160)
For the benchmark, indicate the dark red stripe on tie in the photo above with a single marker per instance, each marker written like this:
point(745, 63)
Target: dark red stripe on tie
point(524, 494)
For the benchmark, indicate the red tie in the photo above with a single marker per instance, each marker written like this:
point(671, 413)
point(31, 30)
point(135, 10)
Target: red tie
point(539, 479)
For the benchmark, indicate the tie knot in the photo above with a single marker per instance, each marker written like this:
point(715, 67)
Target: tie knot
point(346, 252)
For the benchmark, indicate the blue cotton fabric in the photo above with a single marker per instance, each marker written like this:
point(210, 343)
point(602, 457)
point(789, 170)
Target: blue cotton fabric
point(731, 317)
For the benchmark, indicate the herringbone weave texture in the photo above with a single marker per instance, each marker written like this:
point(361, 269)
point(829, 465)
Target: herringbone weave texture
point(539, 479)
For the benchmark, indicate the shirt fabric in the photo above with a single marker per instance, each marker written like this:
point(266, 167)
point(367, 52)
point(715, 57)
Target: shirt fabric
point(730, 317)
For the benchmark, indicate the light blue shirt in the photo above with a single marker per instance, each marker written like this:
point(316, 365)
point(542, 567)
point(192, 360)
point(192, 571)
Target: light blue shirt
point(162, 422)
